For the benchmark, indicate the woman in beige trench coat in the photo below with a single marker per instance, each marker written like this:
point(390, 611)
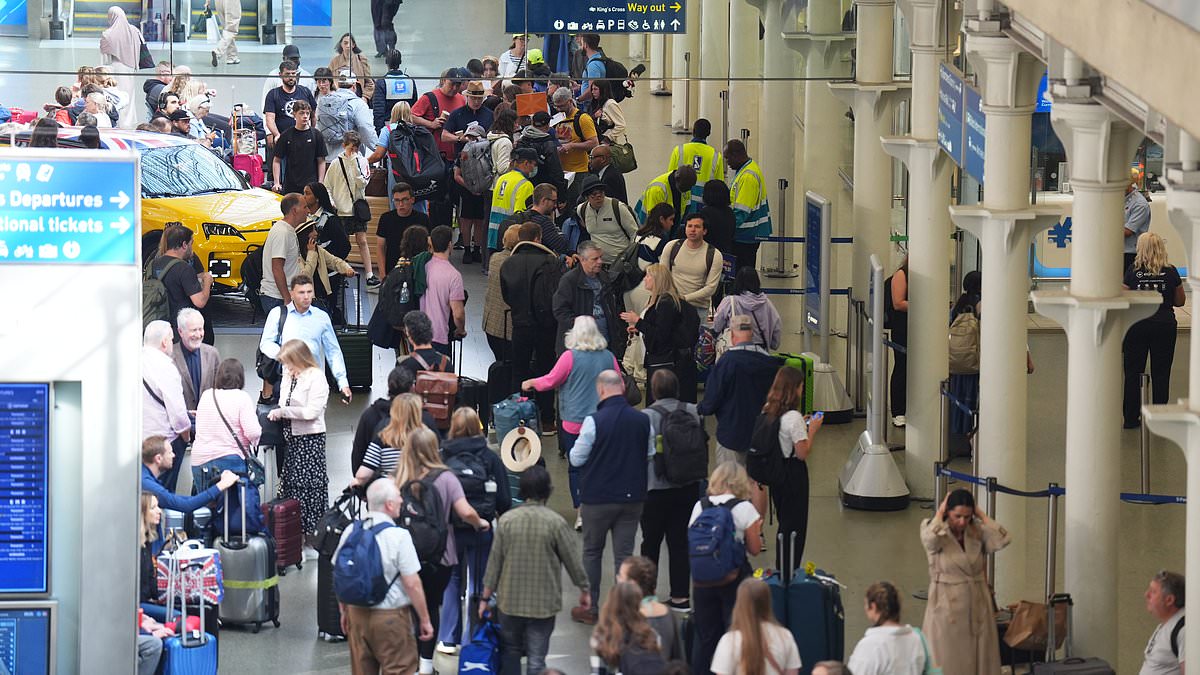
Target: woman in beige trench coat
point(959, 620)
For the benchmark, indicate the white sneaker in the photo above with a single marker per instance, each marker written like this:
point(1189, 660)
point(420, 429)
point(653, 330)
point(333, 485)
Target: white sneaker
point(310, 553)
point(578, 523)
point(899, 421)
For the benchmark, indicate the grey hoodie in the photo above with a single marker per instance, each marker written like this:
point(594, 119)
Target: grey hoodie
point(768, 327)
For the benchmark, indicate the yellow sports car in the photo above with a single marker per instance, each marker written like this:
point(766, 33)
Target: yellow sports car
point(185, 182)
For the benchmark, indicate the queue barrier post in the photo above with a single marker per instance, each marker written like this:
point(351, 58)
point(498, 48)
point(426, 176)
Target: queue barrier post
point(1051, 567)
point(991, 511)
point(1145, 434)
point(939, 483)
point(944, 421)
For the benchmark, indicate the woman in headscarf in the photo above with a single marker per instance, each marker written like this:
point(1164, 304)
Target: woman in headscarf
point(120, 50)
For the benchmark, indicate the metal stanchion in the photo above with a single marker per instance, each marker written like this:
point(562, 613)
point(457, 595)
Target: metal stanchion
point(724, 116)
point(939, 483)
point(991, 511)
point(975, 447)
point(1051, 571)
point(887, 390)
point(781, 270)
point(860, 399)
point(944, 421)
point(849, 339)
point(1145, 435)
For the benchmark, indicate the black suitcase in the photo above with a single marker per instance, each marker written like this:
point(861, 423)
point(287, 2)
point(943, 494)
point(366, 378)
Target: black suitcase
point(329, 615)
point(356, 346)
point(500, 375)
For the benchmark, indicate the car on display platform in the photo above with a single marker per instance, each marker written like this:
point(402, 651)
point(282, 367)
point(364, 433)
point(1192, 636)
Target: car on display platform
point(182, 181)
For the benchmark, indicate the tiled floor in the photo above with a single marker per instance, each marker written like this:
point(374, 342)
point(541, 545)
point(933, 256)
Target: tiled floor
point(859, 547)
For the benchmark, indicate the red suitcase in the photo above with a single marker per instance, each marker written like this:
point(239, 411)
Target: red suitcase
point(253, 166)
point(283, 519)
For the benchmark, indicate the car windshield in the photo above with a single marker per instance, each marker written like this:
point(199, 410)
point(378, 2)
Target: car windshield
point(184, 171)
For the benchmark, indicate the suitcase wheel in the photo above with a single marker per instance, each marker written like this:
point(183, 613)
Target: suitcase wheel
point(275, 622)
point(282, 571)
point(256, 628)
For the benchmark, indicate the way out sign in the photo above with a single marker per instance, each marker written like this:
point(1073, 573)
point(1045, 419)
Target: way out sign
point(595, 16)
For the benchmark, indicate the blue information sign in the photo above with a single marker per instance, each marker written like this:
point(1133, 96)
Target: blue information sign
point(24, 488)
point(595, 16)
point(70, 210)
point(816, 262)
point(1044, 102)
point(975, 131)
point(950, 112)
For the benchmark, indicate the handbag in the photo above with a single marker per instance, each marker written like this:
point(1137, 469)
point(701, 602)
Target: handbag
point(212, 30)
point(623, 157)
point(145, 58)
point(633, 395)
point(198, 24)
point(634, 361)
point(377, 183)
point(930, 667)
point(272, 431)
point(254, 467)
point(361, 209)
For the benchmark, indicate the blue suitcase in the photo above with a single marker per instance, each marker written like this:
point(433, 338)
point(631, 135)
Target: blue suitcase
point(190, 652)
point(777, 579)
point(816, 618)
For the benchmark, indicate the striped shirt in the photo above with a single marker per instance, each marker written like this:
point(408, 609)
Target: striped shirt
point(380, 457)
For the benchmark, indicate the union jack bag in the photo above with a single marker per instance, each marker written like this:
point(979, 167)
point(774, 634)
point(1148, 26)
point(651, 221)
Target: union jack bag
point(196, 572)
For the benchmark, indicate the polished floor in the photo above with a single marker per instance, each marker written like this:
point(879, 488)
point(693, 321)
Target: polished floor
point(859, 547)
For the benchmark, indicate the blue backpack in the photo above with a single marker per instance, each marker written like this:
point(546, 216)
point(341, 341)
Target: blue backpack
point(358, 570)
point(715, 554)
point(482, 654)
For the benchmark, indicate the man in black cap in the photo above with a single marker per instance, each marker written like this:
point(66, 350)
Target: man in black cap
point(181, 123)
point(609, 222)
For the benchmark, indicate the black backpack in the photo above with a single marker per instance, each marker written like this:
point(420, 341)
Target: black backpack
point(391, 294)
point(252, 273)
point(414, 159)
point(764, 459)
point(421, 515)
point(616, 73)
point(684, 446)
point(542, 287)
point(626, 271)
point(472, 472)
point(517, 219)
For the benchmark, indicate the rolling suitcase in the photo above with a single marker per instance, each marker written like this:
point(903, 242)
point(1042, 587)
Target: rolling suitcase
point(191, 652)
point(777, 579)
point(341, 515)
point(500, 375)
point(1070, 665)
point(803, 363)
point(251, 581)
point(816, 618)
point(283, 520)
point(356, 345)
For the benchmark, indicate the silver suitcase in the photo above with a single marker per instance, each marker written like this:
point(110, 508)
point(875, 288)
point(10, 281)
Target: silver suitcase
point(251, 584)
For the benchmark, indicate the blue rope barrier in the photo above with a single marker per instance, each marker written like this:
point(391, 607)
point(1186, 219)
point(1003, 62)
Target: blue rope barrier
point(802, 291)
point(964, 477)
point(894, 346)
point(1136, 498)
point(956, 402)
point(1038, 494)
point(800, 240)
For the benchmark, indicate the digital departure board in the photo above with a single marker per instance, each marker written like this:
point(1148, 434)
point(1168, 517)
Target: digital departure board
point(24, 488)
point(27, 635)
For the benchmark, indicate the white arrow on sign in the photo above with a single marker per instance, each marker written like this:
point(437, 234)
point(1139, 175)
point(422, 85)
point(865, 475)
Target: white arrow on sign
point(122, 225)
point(675, 24)
point(121, 200)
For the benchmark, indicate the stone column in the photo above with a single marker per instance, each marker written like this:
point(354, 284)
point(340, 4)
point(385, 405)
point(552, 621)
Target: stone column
point(637, 47)
point(1180, 422)
point(1004, 224)
point(823, 47)
point(713, 60)
point(776, 148)
point(929, 232)
point(1095, 312)
point(656, 71)
point(871, 96)
point(745, 67)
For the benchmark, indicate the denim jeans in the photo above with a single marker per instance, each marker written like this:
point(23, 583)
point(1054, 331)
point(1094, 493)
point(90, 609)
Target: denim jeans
point(712, 609)
point(523, 635)
point(566, 441)
point(269, 303)
point(598, 520)
point(473, 550)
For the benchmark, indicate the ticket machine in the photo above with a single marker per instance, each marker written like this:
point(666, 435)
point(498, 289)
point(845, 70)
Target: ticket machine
point(70, 341)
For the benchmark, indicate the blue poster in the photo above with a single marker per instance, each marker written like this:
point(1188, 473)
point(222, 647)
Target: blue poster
point(595, 16)
point(68, 211)
point(976, 129)
point(14, 17)
point(950, 112)
point(318, 13)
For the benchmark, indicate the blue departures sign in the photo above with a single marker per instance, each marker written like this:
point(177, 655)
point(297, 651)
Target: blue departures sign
point(595, 16)
point(973, 137)
point(68, 210)
point(950, 112)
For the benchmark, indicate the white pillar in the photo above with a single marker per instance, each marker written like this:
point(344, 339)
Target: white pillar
point(823, 46)
point(1181, 422)
point(929, 232)
point(685, 65)
point(658, 64)
point(1004, 225)
point(777, 157)
point(871, 96)
point(745, 69)
point(714, 60)
point(1095, 313)
point(637, 46)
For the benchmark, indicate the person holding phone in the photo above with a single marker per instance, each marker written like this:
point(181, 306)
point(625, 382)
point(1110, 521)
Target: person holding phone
point(796, 433)
point(959, 621)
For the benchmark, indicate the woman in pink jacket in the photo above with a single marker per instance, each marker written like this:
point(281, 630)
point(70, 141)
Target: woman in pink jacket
point(227, 426)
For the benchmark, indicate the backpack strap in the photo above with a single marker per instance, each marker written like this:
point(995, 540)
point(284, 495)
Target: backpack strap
point(1175, 636)
point(616, 207)
point(708, 261)
point(674, 254)
point(167, 268)
point(421, 360)
point(433, 103)
point(153, 395)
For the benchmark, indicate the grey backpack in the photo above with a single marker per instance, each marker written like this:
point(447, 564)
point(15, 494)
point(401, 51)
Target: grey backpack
point(475, 164)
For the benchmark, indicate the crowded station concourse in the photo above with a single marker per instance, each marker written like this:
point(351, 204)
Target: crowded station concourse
point(349, 240)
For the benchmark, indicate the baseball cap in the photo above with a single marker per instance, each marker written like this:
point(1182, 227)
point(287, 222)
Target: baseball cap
point(520, 36)
point(180, 115)
point(524, 155)
point(345, 79)
point(535, 57)
point(475, 129)
point(462, 74)
point(541, 118)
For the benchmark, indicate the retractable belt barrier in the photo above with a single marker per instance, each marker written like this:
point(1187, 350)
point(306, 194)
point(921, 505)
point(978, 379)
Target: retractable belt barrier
point(800, 240)
point(802, 291)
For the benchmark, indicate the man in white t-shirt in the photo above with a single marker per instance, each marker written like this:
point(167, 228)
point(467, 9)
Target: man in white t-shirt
point(381, 636)
point(1164, 599)
point(281, 253)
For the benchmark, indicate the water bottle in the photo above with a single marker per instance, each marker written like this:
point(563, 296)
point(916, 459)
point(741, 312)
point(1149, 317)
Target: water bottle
point(404, 295)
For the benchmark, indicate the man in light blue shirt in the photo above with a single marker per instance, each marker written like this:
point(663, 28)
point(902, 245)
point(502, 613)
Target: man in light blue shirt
point(1137, 221)
point(594, 68)
point(310, 324)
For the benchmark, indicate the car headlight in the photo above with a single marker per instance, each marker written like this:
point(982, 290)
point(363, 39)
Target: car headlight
point(220, 230)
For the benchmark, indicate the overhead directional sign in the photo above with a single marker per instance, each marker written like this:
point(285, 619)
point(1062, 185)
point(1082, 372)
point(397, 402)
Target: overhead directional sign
point(595, 16)
point(974, 133)
point(950, 112)
point(72, 207)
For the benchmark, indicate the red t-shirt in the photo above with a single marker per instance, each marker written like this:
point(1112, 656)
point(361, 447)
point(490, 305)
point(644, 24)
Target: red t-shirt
point(447, 104)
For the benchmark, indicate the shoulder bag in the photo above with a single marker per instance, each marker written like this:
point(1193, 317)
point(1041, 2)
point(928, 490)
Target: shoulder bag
point(254, 466)
point(361, 209)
